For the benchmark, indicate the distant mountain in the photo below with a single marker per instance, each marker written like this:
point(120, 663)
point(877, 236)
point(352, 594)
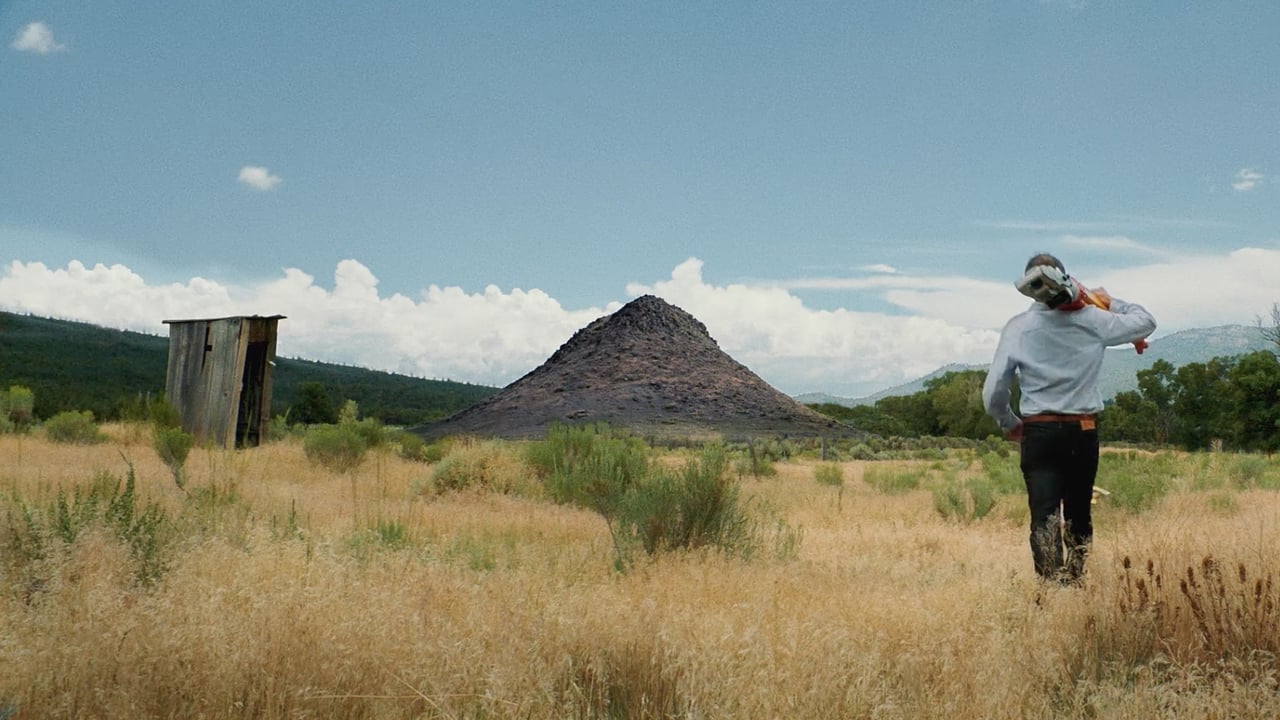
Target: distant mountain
point(1120, 365)
point(907, 388)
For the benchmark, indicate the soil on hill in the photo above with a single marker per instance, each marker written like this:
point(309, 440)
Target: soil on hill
point(650, 367)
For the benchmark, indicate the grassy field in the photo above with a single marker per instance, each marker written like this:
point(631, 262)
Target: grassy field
point(271, 588)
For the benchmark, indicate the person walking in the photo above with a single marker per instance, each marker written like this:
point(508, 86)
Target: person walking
point(1054, 350)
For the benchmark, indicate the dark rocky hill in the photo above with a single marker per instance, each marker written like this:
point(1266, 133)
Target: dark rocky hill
point(649, 367)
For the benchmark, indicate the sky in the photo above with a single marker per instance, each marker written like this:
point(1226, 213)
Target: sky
point(843, 193)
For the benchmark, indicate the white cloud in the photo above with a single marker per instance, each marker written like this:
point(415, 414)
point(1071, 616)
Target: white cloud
point(880, 268)
point(1247, 179)
point(495, 336)
point(36, 38)
point(258, 178)
point(1109, 242)
point(800, 349)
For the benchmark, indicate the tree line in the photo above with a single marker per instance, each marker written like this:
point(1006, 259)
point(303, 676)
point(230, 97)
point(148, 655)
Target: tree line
point(1226, 403)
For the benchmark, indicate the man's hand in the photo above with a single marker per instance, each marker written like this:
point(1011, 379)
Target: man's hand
point(1015, 434)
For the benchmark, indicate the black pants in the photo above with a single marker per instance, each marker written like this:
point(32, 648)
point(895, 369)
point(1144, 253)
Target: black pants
point(1059, 464)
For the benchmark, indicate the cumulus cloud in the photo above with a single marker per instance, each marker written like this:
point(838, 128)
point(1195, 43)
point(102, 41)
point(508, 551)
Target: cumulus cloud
point(258, 178)
point(1247, 179)
point(36, 38)
point(495, 336)
point(800, 349)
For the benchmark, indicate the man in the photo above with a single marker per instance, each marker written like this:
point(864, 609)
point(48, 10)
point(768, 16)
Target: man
point(1055, 349)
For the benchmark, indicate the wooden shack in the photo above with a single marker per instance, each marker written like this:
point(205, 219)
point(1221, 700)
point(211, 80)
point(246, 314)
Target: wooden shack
point(219, 377)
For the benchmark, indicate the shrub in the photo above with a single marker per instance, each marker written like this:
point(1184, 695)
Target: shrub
point(371, 431)
point(965, 501)
point(831, 474)
point(589, 465)
point(892, 481)
point(1248, 471)
point(1136, 483)
point(1003, 472)
point(173, 444)
point(337, 447)
point(492, 466)
point(696, 506)
point(76, 428)
point(863, 451)
point(646, 505)
point(17, 406)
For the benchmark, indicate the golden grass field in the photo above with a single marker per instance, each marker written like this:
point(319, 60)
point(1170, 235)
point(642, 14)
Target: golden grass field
point(282, 600)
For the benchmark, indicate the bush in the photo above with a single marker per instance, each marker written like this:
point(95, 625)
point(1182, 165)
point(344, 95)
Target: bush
point(1003, 471)
point(487, 466)
point(696, 506)
point(965, 501)
point(172, 445)
point(76, 428)
point(1136, 482)
point(17, 405)
point(646, 505)
point(831, 474)
point(589, 465)
point(337, 447)
point(892, 481)
point(1248, 471)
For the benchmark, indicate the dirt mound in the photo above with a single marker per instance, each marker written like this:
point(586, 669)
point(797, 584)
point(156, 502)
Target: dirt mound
point(649, 367)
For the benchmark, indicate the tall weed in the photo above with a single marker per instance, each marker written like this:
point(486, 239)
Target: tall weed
point(33, 533)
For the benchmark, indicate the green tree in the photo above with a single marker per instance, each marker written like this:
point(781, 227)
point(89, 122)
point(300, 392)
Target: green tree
point(314, 406)
point(867, 418)
point(17, 406)
point(1156, 384)
point(1130, 418)
point(956, 401)
point(1271, 333)
point(1202, 404)
point(914, 412)
point(1255, 385)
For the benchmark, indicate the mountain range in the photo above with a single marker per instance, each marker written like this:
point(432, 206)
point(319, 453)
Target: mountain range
point(1120, 365)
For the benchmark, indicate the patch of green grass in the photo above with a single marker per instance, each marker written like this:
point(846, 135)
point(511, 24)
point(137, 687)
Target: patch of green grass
point(893, 481)
point(1137, 482)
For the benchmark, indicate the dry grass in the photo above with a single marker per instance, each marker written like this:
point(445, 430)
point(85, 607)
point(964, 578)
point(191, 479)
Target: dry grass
point(296, 602)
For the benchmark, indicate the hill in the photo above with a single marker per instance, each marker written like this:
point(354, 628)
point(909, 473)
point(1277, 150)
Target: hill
point(1120, 365)
point(79, 366)
point(649, 367)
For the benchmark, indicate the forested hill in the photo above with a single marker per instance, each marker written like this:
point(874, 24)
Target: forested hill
point(78, 366)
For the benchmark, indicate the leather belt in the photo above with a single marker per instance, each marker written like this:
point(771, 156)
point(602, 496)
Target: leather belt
point(1087, 421)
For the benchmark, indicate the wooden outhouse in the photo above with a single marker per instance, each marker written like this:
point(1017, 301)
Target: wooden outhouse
point(219, 377)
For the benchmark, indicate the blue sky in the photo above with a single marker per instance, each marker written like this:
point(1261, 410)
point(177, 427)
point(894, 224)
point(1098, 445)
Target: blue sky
point(843, 192)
